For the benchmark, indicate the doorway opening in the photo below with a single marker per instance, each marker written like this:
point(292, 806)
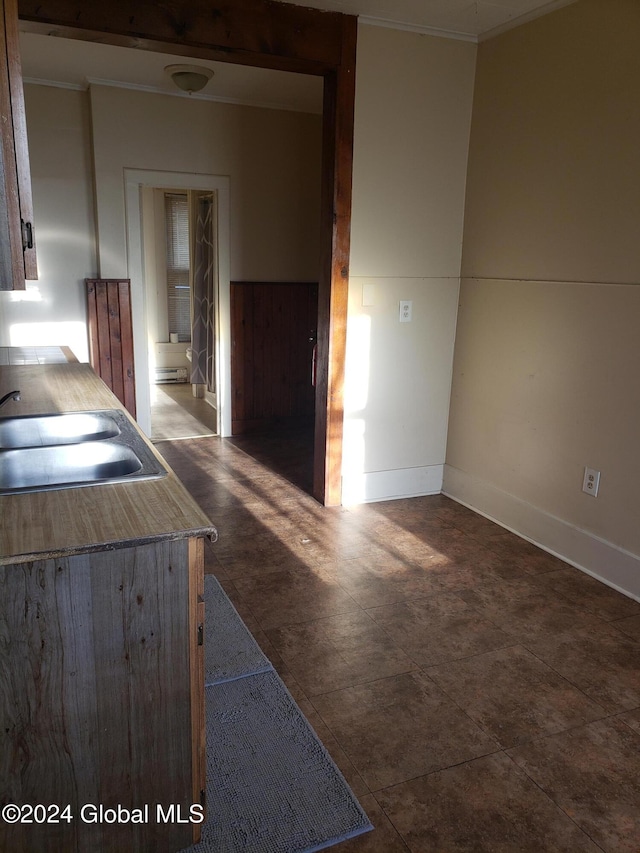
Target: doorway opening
point(181, 282)
point(186, 287)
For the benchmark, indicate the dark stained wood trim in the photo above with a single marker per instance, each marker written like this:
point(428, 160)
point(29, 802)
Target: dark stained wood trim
point(248, 32)
point(274, 35)
point(337, 156)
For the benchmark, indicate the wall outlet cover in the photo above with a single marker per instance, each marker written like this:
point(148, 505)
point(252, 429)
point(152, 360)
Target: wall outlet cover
point(591, 482)
point(405, 310)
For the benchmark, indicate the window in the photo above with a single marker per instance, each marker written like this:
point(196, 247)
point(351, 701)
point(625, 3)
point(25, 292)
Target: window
point(178, 292)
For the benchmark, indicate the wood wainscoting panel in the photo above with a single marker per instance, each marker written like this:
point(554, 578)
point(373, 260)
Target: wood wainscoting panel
point(111, 336)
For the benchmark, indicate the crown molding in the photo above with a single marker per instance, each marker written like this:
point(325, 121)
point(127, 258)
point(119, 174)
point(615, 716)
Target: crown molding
point(415, 28)
point(525, 18)
point(157, 90)
point(56, 84)
point(462, 36)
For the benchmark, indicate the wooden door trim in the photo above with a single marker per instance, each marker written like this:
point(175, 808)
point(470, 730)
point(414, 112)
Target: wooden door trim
point(273, 35)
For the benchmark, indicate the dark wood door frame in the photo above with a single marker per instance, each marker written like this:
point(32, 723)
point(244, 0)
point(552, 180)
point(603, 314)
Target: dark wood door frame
point(264, 34)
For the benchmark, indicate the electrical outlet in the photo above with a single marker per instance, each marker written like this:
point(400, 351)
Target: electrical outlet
point(591, 482)
point(405, 311)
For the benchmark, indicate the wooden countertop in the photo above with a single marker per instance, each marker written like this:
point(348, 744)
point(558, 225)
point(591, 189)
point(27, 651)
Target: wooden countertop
point(60, 522)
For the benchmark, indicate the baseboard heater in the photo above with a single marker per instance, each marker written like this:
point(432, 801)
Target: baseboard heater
point(171, 374)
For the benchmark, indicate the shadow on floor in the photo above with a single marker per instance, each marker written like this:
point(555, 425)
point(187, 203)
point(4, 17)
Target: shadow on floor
point(287, 451)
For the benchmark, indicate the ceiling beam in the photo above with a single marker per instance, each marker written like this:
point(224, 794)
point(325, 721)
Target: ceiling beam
point(262, 33)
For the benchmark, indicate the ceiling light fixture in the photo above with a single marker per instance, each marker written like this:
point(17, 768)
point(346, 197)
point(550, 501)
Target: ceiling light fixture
point(189, 78)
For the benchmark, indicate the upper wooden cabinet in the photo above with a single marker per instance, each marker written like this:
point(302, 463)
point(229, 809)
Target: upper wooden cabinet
point(17, 244)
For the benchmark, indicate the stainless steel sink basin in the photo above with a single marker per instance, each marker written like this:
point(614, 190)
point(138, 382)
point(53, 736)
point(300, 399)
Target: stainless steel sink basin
point(72, 449)
point(57, 429)
point(90, 462)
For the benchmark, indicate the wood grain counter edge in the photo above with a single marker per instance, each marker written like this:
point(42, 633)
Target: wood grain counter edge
point(63, 522)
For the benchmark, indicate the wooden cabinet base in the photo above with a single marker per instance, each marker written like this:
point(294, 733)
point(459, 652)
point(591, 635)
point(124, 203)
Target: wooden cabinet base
point(102, 707)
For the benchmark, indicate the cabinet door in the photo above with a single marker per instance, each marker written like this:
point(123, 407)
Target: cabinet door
point(17, 245)
point(99, 665)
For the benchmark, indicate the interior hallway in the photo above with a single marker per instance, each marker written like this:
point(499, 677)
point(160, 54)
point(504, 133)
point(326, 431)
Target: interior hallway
point(176, 413)
point(477, 693)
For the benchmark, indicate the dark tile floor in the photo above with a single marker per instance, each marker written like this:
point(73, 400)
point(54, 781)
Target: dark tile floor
point(477, 693)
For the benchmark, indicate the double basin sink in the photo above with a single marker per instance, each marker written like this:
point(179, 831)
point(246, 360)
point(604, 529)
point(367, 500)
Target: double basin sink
point(72, 449)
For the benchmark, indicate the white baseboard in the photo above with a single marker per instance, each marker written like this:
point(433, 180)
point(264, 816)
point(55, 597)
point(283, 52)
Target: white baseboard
point(392, 485)
point(603, 560)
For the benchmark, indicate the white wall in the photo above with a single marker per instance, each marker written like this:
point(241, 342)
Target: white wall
point(547, 359)
point(53, 309)
point(412, 118)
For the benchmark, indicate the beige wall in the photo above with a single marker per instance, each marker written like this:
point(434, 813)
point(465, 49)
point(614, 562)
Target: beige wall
point(412, 117)
point(272, 158)
point(547, 360)
point(552, 190)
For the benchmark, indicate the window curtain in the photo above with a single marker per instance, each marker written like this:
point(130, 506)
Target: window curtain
point(202, 212)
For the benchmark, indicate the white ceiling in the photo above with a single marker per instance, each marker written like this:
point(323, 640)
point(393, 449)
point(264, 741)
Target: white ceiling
point(73, 63)
point(470, 19)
